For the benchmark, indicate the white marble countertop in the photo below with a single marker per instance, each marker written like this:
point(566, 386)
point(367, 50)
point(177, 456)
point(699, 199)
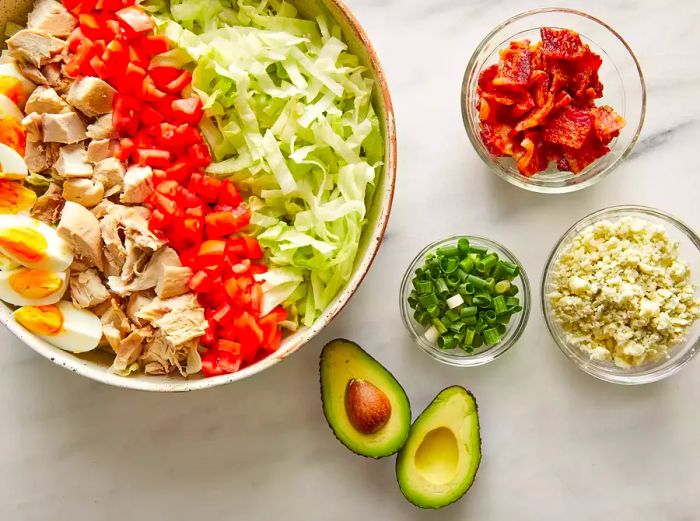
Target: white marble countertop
point(557, 443)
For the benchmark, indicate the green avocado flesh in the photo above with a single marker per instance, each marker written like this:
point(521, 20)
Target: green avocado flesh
point(438, 463)
point(342, 361)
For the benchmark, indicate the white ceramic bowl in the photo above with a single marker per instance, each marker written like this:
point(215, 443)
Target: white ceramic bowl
point(95, 365)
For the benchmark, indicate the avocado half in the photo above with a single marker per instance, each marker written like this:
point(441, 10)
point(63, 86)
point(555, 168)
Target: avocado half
point(438, 463)
point(343, 361)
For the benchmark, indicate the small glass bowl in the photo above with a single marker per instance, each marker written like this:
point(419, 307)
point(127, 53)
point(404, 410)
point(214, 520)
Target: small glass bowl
point(620, 73)
point(484, 354)
point(680, 354)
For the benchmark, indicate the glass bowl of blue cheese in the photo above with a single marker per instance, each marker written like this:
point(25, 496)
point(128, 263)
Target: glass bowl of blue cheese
point(620, 294)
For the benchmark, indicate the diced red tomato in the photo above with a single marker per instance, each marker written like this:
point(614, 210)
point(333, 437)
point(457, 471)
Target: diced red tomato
point(187, 110)
point(153, 44)
point(218, 362)
point(134, 21)
point(125, 114)
point(153, 157)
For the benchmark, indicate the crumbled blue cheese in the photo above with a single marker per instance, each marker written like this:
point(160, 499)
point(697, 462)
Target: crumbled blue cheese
point(621, 294)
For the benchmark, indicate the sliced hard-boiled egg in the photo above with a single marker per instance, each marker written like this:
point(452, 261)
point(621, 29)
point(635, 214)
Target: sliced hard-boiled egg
point(63, 325)
point(15, 197)
point(12, 165)
point(7, 264)
point(14, 84)
point(32, 287)
point(33, 244)
point(12, 134)
point(9, 108)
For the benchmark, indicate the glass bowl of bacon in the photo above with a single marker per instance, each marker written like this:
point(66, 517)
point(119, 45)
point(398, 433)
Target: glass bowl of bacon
point(553, 100)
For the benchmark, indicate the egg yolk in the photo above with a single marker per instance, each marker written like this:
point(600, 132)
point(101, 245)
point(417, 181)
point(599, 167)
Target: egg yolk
point(12, 88)
point(35, 283)
point(42, 320)
point(14, 197)
point(24, 244)
point(12, 134)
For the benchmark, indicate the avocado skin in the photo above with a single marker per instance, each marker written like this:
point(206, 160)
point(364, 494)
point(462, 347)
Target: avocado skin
point(370, 359)
point(427, 506)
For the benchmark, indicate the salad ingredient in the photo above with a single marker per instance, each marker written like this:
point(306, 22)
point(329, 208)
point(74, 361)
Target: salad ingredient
point(13, 84)
point(87, 289)
point(367, 407)
point(51, 16)
point(464, 297)
point(289, 117)
point(62, 325)
point(81, 229)
point(35, 47)
point(439, 461)
point(15, 197)
point(32, 287)
point(8, 109)
point(33, 244)
point(537, 105)
point(91, 96)
point(355, 389)
point(12, 164)
point(621, 293)
point(66, 128)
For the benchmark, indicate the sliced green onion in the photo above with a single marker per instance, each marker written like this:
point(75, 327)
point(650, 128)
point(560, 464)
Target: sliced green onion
point(469, 311)
point(449, 264)
point(447, 251)
point(423, 286)
point(490, 316)
point(455, 301)
point(433, 311)
point(487, 263)
point(468, 288)
point(502, 286)
point(467, 265)
point(477, 282)
point(478, 250)
point(512, 270)
point(428, 301)
point(452, 315)
point(461, 274)
point(447, 342)
point(499, 305)
point(439, 326)
point(491, 336)
point(501, 329)
point(470, 321)
point(482, 299)
point(431, 334)
point(463, 247)
point(441, 286)
point(469, 337)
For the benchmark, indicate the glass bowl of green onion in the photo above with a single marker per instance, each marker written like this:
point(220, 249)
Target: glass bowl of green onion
point(465, 300)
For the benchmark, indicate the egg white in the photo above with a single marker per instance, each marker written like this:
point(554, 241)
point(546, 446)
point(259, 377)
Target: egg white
point(8, 108)
point(81, 331)
point(58, 255)
point(9, 295)
point(11, 69)
point(12, 165)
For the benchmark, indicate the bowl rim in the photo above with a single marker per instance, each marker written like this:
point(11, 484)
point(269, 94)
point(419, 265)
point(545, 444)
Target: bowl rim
point(522, 181)
point(549, 320)
point(487, 355)
point(303, 336)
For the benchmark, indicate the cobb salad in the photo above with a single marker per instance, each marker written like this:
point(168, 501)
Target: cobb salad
point(182, 182)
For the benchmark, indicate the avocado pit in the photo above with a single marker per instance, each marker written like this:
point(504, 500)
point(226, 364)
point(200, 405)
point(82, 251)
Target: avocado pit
point(368, 407)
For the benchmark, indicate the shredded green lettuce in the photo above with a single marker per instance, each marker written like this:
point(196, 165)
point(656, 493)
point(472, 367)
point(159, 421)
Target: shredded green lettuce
point(290, 121)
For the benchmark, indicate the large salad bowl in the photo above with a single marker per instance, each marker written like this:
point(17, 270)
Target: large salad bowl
point(95, 365)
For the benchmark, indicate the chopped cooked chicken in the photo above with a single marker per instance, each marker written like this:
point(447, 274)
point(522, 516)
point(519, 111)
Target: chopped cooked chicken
point(110, 172)
point(162, 357)
point(158, 307)
point(34, 46)
point(45, 100)
point(79, 265)
point(32, 124)
point(48, 206)
point(91, 96)
point(114, 252)
point(135, 224)
point(136, 184)
point(65, 128)
point(86, 192)
point(98, 150)
point(54, 78)
point(87, 290)
point(102, 208)
point(136, 302)
point(101, 128)
point(82, 231)
point(136, 260)
point(32, 73)
point(72, 162)
point(148, 278)
point(52, 17)
point(40, 156)
point(129, 349)
point(115, 324)
point(172, 281)
point(182, 326)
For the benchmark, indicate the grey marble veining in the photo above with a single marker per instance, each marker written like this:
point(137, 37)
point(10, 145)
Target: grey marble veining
point(558, 445)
